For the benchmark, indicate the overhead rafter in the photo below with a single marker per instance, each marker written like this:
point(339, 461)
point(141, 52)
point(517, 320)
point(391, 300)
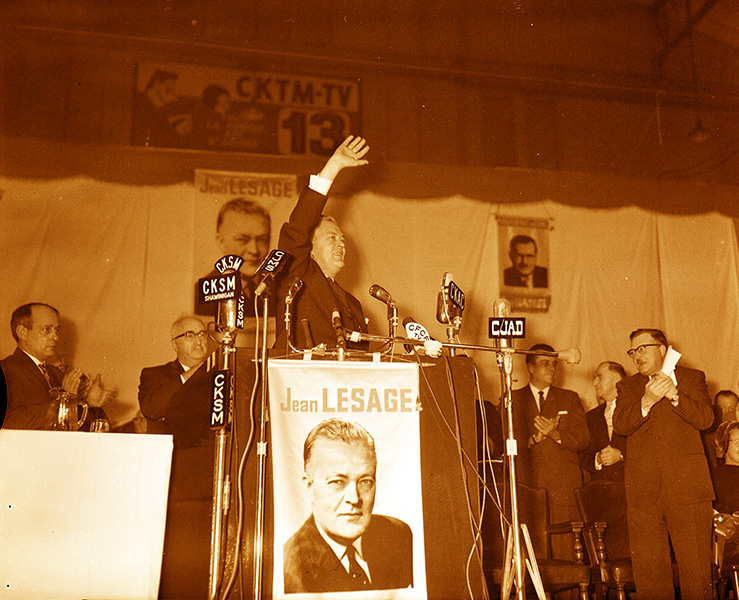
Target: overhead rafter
point(691, 21)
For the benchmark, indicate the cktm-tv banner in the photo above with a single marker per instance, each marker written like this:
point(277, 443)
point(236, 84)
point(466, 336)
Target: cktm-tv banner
point(235, 110)
point(347, 480)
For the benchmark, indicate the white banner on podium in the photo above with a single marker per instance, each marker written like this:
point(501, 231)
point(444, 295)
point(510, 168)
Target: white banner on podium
point(82, 514)
point(342, 498)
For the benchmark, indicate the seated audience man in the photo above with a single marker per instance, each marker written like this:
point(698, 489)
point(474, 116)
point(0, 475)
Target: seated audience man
point(318, 251)
point(725, 408)
point(603, 459)
point(725, 474)
point(550, 429)
point(158, 384)
point(343, 546)
point(30, 373)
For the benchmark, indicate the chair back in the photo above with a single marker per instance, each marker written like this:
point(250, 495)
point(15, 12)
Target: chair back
point(533, 509)
point(606, 501)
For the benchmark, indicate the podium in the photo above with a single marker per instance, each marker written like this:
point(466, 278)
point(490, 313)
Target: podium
point(82, 514)
point(450, 488)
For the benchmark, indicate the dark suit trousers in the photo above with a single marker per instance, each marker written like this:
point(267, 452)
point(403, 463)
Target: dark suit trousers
point(690, 527)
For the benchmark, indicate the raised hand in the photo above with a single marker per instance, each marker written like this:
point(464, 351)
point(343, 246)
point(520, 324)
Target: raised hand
point(350, 153)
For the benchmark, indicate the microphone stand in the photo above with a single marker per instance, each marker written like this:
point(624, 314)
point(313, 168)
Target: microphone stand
point(222, 458)
point(515, 559)
point(262, 457)
point(392, 321)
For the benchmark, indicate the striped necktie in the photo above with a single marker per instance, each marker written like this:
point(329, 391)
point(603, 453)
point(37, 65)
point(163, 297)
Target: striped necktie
point(45, 372)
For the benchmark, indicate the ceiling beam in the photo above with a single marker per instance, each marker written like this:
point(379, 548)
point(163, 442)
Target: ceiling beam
point(687, 29)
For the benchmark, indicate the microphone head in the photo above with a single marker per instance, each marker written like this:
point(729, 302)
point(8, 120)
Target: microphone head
point(502, 308)
point(380, 293)
point(295, 285)
point(571, 355)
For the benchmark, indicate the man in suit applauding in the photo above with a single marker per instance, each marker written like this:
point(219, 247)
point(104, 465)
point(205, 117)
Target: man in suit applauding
point(30, 374)
point(158, 384)
point(668, 484)
point(342, 546)
point(550, 428)
point(603, 458)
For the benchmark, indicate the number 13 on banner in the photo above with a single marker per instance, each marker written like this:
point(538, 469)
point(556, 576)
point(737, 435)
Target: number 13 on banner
point(311, 132)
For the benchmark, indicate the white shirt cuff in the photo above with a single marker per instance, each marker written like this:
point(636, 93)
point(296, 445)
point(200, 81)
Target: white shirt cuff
point(320, 184)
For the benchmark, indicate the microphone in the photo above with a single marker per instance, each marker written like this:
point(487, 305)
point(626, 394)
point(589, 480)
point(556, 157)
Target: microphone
point(414, 330)
point(379, 292)
point(227, 315)
point(442, 300)
point(571, 355)
point(271, 266)
point(306, 333)
point(295, 287)
point(502, 309)
point(338, 328)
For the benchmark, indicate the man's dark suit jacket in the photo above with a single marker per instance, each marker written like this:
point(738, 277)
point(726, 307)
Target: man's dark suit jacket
point(665, 448)
point(156, 388)
point(548, 464)
point(598, 440)
point(512, 277)
point(310, 565)
point(28, 394)
point(316, 300)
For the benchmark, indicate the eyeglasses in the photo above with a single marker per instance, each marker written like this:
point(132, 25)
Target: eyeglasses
point(640, 350)
point(191, 335)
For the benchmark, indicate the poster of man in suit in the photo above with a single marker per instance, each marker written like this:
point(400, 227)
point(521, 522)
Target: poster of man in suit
point(347, 499)
point(523, 250)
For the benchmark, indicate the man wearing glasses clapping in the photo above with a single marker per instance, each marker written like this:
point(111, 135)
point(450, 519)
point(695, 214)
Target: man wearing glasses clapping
point(661, 410)
point(159, 384)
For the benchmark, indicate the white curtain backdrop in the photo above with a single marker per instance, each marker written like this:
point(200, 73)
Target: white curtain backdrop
point(117, 261)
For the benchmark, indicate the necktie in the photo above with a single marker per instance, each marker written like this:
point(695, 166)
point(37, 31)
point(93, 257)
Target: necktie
point(610, 406)
point(346, 311)
point(340, 295)
point(45, 373)
point(358, 575)
point(541, 399)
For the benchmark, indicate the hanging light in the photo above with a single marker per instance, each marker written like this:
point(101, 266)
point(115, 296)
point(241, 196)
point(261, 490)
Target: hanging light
point(699, 134)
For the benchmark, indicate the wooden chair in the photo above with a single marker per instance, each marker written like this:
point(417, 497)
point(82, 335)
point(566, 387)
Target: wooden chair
point(556, 575)
point(602, 507)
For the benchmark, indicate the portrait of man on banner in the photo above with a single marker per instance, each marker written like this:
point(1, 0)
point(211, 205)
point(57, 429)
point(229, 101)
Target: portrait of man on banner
point(343, 545)
point(236, 217)
point(346, 459)
point(523, 248)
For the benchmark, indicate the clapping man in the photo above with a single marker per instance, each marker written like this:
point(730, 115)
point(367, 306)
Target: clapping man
point(30, 374)
point(158, 384)
point(668, 484)
point(603, 458)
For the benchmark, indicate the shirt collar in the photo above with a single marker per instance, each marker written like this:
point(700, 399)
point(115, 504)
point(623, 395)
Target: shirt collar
point(36, 361)
point(340, 549)
point(535, 390)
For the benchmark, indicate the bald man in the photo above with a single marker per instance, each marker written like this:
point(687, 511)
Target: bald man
point(158, 384)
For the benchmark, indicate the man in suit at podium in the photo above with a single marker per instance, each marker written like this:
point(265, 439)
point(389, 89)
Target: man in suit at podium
point(316, 244)
point(604, 456)
point(342, 546)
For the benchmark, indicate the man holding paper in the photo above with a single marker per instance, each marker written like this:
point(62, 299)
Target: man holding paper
point(661, 409)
